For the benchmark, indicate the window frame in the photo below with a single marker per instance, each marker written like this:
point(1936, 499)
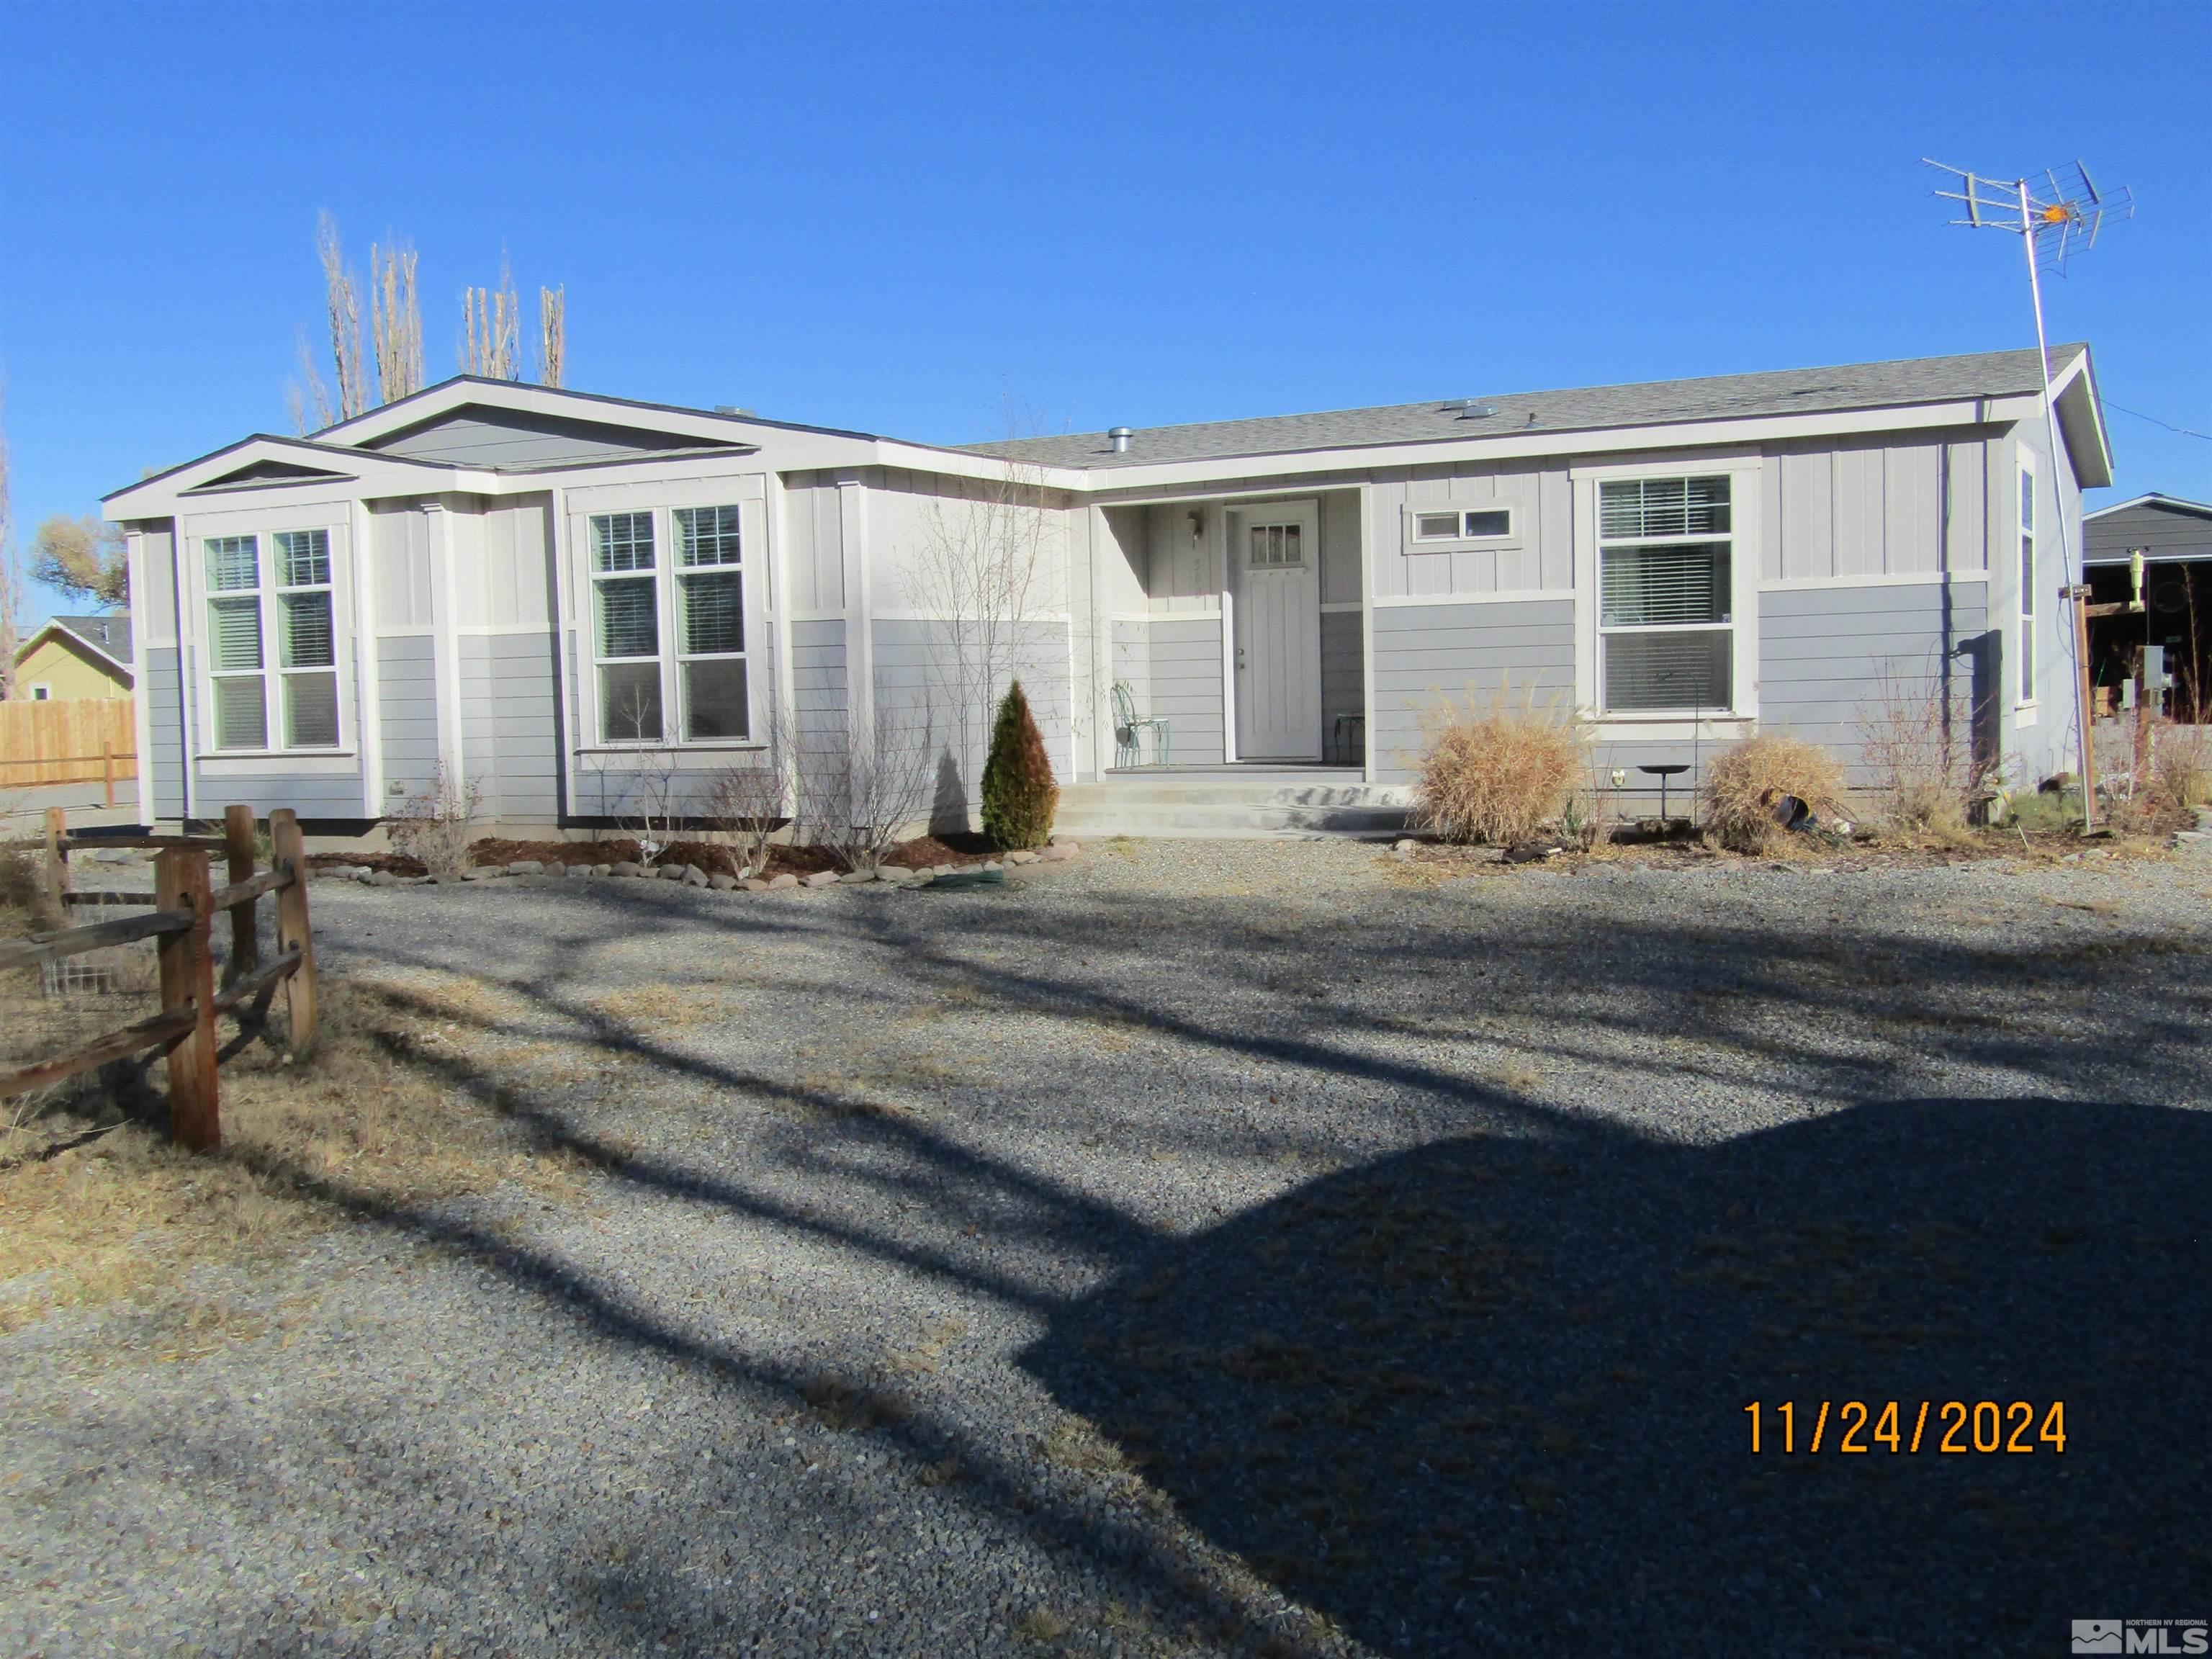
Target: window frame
point(669, 574)
point(283, 672)
point(1731, 540)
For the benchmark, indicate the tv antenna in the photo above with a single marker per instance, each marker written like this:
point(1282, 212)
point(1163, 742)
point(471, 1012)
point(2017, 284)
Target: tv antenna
point(2056, 215)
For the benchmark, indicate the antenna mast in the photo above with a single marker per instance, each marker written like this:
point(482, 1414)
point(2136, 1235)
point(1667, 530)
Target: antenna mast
point(2054, 218)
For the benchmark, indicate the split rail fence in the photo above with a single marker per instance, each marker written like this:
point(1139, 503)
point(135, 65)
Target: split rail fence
point(181, 921)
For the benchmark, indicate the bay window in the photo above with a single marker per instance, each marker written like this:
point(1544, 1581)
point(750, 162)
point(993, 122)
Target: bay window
point(1666, 553)
point(699, 608)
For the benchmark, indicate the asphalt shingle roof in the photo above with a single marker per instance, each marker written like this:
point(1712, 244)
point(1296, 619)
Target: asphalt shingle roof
point(110, 633)
point(1652, 403)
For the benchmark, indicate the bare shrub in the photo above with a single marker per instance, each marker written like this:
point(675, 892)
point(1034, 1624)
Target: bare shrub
point(1745, 782)
point(749, 804)
point(2180, 765)
point(857, 798)
point(1494, 774)
point(1921, 754)
point(433, 825)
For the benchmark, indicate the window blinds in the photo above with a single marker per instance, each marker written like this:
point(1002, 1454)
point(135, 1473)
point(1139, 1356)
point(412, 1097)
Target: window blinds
point(706, 535)
point(234, 635)
point(303, 558)
point(714, 614)
point(233, 562)
point(1644, 509)
point(1687, 671)
point(630, 623)
point(621, 541)
point(1666, 586)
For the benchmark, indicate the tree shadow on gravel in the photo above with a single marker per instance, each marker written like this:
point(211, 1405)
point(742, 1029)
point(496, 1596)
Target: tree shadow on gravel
point(1489, 1393)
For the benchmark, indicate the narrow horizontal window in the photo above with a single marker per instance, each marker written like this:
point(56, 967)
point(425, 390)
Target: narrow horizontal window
point(1435, 526)
point(1649, 508)
point(1490, 522)
point(1276, 546)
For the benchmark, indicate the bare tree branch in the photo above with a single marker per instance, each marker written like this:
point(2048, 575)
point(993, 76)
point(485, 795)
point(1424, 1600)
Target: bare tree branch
point(395, 324)
point(344, 305)
point(552, 335)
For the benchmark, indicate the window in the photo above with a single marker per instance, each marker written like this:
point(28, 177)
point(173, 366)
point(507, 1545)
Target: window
point(41, 692)
point(299, 596)
point(710, 627)
point(1276, 546)
point(1483, 524)
point(1665, 552)
point(306, 643)
point(2026, 586)
point(241, 696)
point(706, 617)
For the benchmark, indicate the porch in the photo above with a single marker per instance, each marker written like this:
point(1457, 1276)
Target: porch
point(1234, 628)
point(1234, 801)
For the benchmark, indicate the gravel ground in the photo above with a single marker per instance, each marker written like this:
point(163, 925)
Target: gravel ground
point(1226, 1248)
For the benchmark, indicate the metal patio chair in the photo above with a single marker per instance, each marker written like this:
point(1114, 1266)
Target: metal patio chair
point(1129, 731)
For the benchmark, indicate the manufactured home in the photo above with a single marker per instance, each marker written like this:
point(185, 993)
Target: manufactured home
point(551, 593)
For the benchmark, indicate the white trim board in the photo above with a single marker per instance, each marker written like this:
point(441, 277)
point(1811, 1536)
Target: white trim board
point(1516, 596)
point(1912, 578)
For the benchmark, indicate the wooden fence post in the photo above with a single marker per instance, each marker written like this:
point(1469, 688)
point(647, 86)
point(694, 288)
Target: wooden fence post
point(290, 855)
point(245, 933)
point(107, 771)
point(56, 868)
point(180, 882)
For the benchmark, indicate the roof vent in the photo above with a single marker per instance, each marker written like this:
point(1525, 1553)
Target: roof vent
point(1119, 437)
point(1472, 410)
point(732, 409)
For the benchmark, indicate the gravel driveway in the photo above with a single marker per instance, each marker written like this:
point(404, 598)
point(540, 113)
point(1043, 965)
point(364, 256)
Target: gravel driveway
point(1228, 1247)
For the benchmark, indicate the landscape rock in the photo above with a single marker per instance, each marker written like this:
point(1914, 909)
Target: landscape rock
point(380, 879)
point(819, 879)
point(603, 869)
point(858, 876)
point(626, 868)
point(721, 884)
point(756, 884)
point(776, 883)
point(993, 864)
point(477, 872)
point(1058, 853)
point(525, 867)
point(694, 875)
point(1021, 856)
point(1406, 845)
point(669, 871)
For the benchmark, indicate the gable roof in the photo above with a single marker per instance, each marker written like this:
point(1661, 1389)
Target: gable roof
point(1651, 403)
point(2159, 526)
point(2156, 502)
point(105, 637)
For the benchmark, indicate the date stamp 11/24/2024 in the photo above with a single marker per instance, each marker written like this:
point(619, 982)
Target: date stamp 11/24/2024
point(1953, 1428)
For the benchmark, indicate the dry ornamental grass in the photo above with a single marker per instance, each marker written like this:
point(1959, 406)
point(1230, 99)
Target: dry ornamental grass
point(1744, 783)
point(1496, 775)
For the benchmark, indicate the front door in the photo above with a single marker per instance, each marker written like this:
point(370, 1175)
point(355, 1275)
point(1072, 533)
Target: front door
point(1275, 555)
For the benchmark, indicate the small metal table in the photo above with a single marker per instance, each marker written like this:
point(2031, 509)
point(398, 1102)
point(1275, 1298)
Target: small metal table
point(1663, 773)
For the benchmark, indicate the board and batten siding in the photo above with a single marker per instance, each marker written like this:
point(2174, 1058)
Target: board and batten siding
point(1846, 507)
point(1538, 557)
point(1343, 687)
point(814, 543)
point(1426, 654)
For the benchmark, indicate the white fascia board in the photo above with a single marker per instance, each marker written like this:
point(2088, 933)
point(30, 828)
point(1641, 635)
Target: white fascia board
point(2195, 509)
point(1687, 435)
point(2082, 422)
point(354, 474)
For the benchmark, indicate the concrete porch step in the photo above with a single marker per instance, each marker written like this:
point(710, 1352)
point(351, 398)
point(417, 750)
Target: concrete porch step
point(1224, 805)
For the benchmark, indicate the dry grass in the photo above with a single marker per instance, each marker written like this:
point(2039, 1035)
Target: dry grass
point(1743, 783)
point(100, 1207)
point(1496, 774)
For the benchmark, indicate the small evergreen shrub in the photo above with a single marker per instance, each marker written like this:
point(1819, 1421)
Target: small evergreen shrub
point(1019, 792)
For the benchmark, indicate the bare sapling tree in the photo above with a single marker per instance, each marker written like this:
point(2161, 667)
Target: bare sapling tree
point(434, 824)
point(979, 565)
point(395, 321)
point(858, 793)
point(1919, 748)
point(638, 785)
point(491, 321)
point(84, 559)
point(552, 335)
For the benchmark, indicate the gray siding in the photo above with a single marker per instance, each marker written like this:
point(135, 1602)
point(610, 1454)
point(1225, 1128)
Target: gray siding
point(407, 711)
point(2163, 531)
point(1425, 653)
point(507, 438)
point(510, 727)
point(916, 677)
point(1185, 657)
point(165, 711)
point(1343, 686)
point(311, 794)
point(1829, 659)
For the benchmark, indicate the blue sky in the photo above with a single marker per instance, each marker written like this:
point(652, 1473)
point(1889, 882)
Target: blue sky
point(910, 219)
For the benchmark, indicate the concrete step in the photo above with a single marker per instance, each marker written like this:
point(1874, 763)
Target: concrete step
point(1203, 806)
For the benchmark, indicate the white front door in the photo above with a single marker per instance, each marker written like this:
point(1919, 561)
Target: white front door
point(1275, 556)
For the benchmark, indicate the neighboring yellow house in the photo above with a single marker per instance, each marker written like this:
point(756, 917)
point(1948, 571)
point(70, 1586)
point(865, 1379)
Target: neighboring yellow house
point(75, 657)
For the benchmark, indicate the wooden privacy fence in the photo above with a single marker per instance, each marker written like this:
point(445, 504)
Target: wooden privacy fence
point(71, 740)
point(181, 924)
